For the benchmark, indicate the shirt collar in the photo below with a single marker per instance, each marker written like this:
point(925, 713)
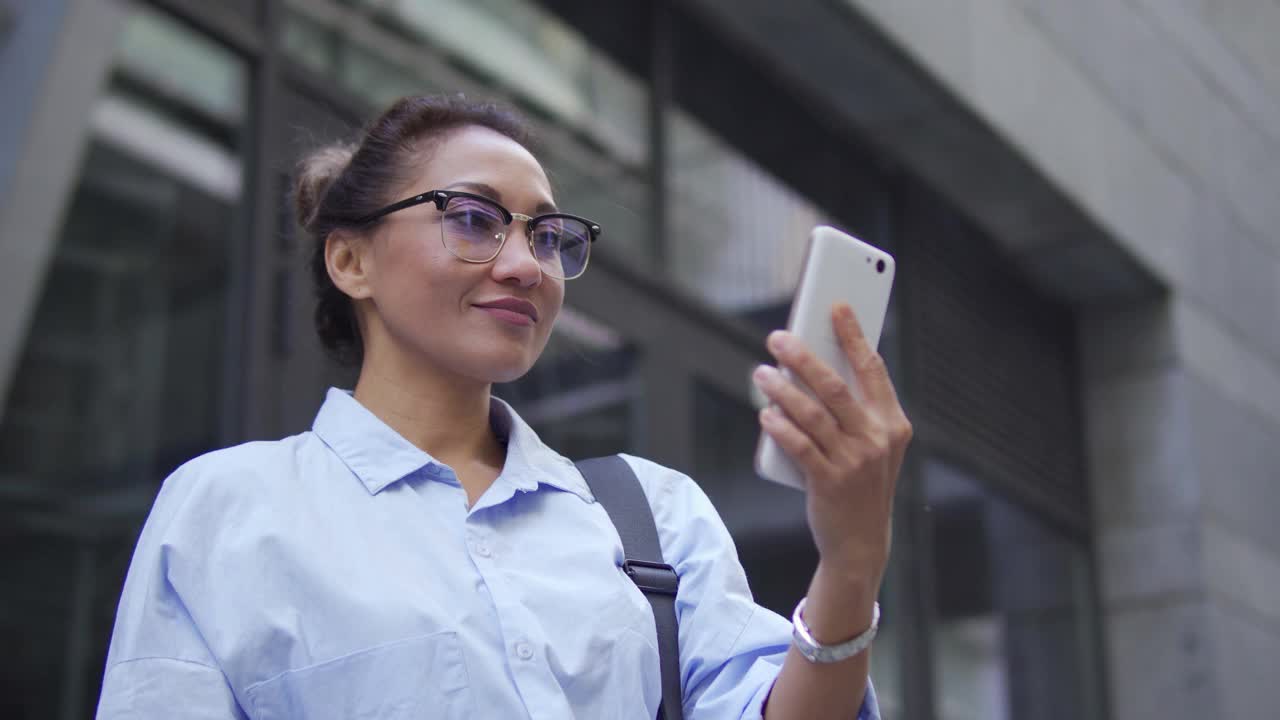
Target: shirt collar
point(379, 456)
point(373, 451)
point(528, 459)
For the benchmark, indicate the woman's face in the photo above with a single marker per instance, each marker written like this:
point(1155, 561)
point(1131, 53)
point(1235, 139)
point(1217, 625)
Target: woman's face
point(428, 305)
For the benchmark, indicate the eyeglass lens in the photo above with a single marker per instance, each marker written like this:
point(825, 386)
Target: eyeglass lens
point(474, 230)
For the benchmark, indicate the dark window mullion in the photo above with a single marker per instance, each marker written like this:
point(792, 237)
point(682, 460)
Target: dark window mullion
point(912, 535)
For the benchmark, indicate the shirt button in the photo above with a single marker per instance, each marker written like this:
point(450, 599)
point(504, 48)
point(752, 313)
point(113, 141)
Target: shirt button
point(524, 650)
point(482, 550)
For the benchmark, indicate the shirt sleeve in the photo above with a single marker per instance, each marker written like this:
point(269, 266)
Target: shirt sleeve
point(158, 665)
point(146, 688)
point(731, 649)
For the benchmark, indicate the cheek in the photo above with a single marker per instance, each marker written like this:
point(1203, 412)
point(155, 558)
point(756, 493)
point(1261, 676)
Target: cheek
point(555, 298)
point(410, 246)
point(409, 267)
point(551, 309)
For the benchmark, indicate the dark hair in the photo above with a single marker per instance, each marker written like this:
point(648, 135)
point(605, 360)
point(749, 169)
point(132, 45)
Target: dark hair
point(336, 185)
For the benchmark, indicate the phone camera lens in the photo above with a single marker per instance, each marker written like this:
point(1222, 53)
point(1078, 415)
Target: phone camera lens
point(879, 266)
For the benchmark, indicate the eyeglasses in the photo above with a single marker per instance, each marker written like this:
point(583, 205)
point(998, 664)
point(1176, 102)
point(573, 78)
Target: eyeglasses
point(473, 229)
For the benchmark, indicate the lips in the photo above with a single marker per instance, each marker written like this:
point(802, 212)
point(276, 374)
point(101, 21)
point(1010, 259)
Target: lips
point(511, 304)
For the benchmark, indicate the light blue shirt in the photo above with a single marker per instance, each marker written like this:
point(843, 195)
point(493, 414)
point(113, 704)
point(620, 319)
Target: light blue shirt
point(340, 574)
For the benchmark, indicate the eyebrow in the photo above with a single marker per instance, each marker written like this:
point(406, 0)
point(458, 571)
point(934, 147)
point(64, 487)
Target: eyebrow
point(492, 193)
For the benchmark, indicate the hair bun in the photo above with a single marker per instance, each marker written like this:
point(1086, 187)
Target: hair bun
point(314, 174)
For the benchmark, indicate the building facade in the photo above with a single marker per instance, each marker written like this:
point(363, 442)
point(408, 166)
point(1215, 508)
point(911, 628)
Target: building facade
point(1082, 331)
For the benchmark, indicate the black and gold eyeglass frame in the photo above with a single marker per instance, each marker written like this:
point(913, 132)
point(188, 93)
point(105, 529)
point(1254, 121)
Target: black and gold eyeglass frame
point(473, 229)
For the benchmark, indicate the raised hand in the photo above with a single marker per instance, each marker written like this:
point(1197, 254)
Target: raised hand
point(850, 452)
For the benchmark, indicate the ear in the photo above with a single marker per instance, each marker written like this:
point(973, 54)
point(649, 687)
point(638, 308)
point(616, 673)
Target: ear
point(347, 257)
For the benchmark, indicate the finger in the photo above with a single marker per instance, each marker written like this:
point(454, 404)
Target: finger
point(808, 414)
point(868, 365)
point(826, 384)
point(797, 445)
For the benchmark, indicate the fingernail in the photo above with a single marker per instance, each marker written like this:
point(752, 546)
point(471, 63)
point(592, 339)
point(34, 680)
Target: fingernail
point(779, 340)
point(765, 376)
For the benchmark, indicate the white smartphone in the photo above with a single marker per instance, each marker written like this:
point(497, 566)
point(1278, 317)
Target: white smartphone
point(837, 268)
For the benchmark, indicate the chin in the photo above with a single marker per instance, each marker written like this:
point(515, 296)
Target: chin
point(501, 370)
point(492, 359)
point(500, 363)
point(507, 377)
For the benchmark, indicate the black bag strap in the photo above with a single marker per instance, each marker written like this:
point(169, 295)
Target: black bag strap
point(617, 488)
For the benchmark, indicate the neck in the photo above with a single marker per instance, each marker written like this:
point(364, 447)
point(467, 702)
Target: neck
point(444, 415)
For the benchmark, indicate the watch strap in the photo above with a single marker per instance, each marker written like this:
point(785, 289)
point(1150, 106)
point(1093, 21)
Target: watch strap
point(816, 652)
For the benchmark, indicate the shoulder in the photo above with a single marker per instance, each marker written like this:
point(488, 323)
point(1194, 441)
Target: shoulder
point(686, 519)
point(697, 544)
point(248, 464)
point(217, 482)
point(250, 455)
point(199, 505)
point(662, 485)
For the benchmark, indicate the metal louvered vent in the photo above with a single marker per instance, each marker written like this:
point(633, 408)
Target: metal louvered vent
point(992, 363)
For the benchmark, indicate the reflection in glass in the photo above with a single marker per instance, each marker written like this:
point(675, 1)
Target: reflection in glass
point(378, 51)
point(309, 42)
point(120, 377)
point(376, 79)
point(1012, 636)
point(526, 48)
point(170, 61)
point(248, 8)
point(742, 233)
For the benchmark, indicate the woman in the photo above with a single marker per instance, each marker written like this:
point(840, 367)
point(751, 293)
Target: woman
point(419, 552)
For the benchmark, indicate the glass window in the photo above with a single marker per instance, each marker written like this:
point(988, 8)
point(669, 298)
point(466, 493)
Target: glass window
point(737, 234)
point(120, 377)
point(609, 192)
point(249, 8)
point(309, 42)
point(1012, 637)
point(163, 59)
point(515, 45)
point(595, 147)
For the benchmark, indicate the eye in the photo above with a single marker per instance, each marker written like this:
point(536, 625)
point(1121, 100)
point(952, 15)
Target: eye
point(472, 216)
point(547, 237)
point(572, 241)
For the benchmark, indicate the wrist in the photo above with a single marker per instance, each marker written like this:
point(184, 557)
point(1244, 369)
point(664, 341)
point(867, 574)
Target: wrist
point(839, 604)
point(816, 651)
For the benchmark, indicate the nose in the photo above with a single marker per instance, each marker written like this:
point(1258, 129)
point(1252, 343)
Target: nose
point(515, 262)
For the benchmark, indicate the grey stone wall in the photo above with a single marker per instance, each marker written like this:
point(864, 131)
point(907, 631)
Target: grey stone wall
point(1161, 119)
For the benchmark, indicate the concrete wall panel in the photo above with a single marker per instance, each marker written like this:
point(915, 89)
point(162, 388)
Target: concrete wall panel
point(1244, 575)
point(1213, 140)
point(1161, 660)
point(1138, 564)
point(1248, 27)
point(1237, 459)
point(1245, 661)
point(1140, 462)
